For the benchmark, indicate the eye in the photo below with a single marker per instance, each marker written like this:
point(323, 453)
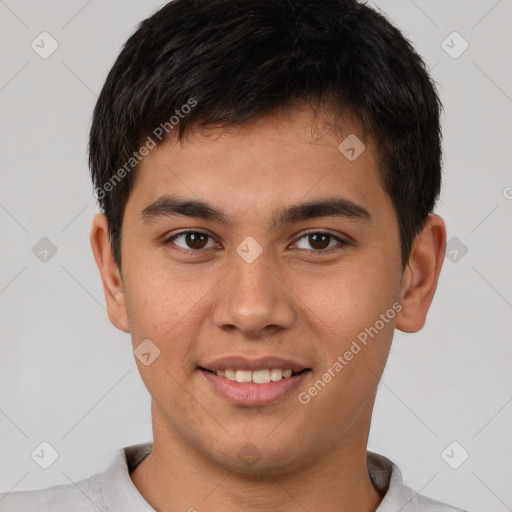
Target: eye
point(319, 241)
point(191, 240)
point(195, 241)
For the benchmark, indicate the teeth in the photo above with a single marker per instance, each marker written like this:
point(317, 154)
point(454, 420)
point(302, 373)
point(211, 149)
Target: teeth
point(243, 376)
point(256, 377)
point(261, 376)
point(276, 374)
point(229, 374)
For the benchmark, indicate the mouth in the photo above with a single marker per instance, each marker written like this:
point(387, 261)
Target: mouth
point(263, 376)
point(253, 383)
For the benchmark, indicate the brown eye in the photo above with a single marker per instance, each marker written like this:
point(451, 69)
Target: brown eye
point(319, 241)
point(191, 240)
point(196, 240)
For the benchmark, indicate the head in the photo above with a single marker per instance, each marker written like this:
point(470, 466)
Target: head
point(301, 141)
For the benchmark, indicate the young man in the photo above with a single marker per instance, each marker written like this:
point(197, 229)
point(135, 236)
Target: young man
point(267, 172)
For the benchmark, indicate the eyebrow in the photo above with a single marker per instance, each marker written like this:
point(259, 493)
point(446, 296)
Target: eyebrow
point(171, 206)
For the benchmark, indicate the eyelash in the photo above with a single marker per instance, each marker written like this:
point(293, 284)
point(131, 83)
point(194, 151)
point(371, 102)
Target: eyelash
point(340, 241)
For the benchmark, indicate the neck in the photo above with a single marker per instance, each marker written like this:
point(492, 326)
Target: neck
point(176, 477)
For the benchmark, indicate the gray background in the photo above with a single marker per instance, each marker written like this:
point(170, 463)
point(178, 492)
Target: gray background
point(69, 378)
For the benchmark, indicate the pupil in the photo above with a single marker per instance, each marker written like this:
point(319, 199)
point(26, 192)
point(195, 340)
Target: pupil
point(319, 245)
point(196, 240)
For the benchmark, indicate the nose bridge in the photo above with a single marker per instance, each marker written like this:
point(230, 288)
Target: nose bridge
point(252, 296)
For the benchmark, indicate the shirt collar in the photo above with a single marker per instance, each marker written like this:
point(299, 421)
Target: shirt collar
point(120, 494)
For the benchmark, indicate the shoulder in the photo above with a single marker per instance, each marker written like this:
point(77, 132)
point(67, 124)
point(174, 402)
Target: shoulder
point(420, 503)
point(109, 490)
point(387, 478)
point(82, 496)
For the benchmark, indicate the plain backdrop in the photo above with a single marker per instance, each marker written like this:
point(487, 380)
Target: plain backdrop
point(69, 378)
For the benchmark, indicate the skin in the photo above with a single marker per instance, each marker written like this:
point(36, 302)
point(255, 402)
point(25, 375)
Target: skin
point(290, 302)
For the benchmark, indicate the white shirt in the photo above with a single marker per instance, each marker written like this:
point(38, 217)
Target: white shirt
point(114, 491)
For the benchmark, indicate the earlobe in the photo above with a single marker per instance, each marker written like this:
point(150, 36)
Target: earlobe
point(111, 278)
point(421, 275)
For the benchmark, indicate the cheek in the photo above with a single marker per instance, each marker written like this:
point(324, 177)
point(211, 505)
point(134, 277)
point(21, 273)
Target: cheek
point(354, 352)
point(351, 297)
point(169, 320)
point(352, 317)
point(159, 299)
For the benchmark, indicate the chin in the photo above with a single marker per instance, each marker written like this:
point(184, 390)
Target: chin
point(259, 457)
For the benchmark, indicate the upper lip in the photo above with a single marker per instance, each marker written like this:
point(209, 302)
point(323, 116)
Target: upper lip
point(253, 364)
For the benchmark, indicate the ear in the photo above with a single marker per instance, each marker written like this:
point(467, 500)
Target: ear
point(113, 285)
point(420, 277)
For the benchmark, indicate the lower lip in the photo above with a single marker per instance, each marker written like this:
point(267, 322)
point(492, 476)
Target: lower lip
point(248, 394)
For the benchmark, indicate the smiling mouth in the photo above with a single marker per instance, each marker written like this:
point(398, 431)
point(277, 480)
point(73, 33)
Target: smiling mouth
point(263, 376)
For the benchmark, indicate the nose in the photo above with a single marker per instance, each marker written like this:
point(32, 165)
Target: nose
point(254, 298)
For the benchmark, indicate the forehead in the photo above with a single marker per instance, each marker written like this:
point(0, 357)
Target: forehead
point(299, 122)
point(288, 156)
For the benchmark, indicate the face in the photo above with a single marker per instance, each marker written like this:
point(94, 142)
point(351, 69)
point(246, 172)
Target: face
point(252, 250)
